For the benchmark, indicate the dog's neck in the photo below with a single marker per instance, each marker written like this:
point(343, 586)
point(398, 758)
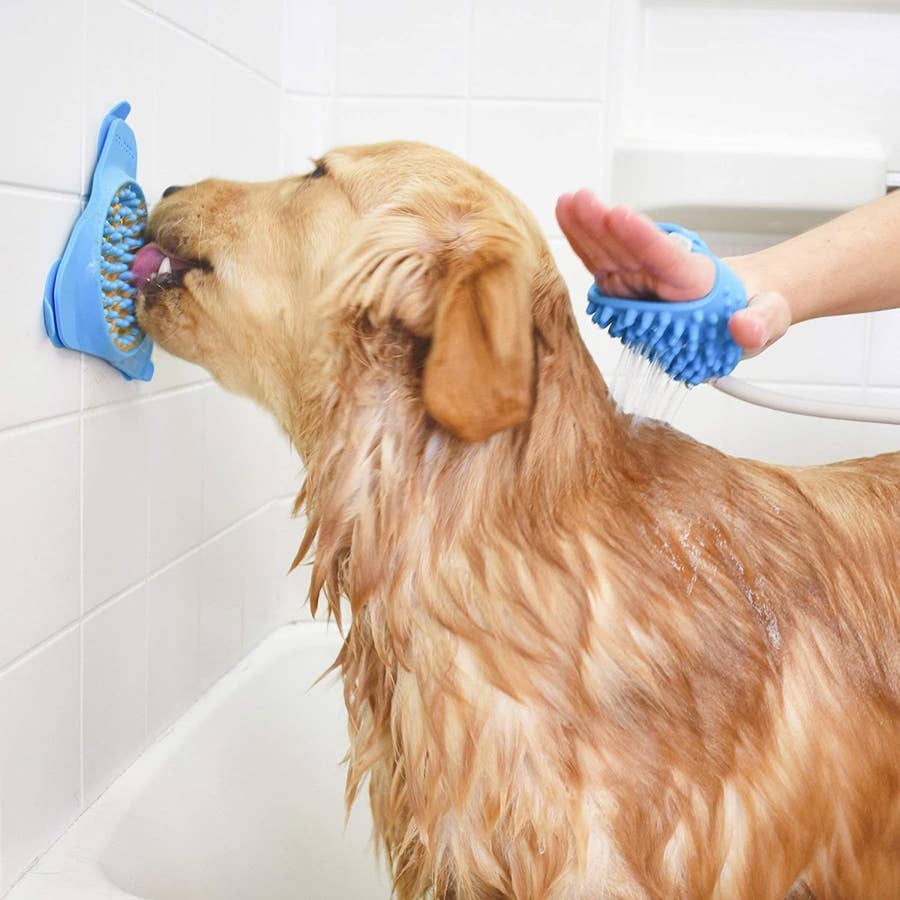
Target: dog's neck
point(384, 481)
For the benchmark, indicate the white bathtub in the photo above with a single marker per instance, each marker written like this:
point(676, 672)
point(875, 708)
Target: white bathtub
point(241, 800)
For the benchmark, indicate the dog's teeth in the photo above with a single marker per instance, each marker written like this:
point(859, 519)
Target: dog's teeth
point(165, 267)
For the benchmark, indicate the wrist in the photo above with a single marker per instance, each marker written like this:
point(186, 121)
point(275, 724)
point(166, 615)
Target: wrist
point(758, 277)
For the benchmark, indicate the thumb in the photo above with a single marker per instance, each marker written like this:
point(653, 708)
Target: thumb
point(765, 319)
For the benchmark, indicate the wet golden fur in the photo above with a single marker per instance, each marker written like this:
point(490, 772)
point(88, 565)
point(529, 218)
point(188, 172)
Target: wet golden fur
point(589, 657)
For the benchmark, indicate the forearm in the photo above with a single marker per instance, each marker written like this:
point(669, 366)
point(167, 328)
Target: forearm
point(850, 264)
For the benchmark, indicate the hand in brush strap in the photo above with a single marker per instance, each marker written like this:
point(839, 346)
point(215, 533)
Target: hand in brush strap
point(629, 256)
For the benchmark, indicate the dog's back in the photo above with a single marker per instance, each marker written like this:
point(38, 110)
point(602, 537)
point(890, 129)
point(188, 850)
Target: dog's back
point(767, 612)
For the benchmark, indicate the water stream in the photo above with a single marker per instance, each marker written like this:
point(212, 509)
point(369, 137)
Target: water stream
point(643, 389)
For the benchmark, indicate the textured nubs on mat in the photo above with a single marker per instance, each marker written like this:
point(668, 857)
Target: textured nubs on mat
point(123, 236)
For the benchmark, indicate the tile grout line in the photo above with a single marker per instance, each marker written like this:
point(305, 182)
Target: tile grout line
point(334, 92)
point(15, 187)
point(154, 113)
point(470, 32)
point(204, 407)
point(40, 647)
point(306, 95)
point(455, 98)
point(175, 26)
point(146, 612)
point(208, 117)
point(148, 519)
point(104, 605)
point(282, 93)
point(81, 492)
point(138, 400)
point(81, 597)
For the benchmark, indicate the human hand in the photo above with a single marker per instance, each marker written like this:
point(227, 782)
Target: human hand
point(630, 257)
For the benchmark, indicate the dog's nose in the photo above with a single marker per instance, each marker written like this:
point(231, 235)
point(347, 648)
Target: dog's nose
point(171, 189)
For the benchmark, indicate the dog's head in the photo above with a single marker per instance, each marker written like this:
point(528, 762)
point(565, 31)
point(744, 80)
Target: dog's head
point(398, 252)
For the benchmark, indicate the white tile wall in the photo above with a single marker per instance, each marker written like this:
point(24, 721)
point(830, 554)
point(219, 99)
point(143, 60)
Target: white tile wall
point(293, 589)
point(193, 16)
point(40, 751)
point(175, 475)
point(810, 77)
point(144, 530)
point(237, 432)
point(173, 640)
point(111, 77)
point(40, 553)
point(244, 116)
point(36, 384)
point(263, 538)
point(181, 128)
point(224, 561)
point(534, 49)
point(440, 122)
point(109, 599)
point(44, 101)
point(306, 131)
point(538, 150)
point(104, 385)
point(115, 471)
point(308, 46)
point(114, 644)
point(402, 48)
point(250, 33)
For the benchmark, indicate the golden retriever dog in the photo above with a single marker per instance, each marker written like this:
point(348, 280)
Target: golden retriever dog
point(589, 657)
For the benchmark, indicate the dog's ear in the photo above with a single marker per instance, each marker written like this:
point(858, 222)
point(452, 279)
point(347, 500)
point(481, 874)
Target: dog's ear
point(479, 373)
point(461, 280)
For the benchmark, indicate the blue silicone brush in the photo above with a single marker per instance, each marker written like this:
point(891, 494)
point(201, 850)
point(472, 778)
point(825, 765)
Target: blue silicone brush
point(689, 340)
point(88, 297)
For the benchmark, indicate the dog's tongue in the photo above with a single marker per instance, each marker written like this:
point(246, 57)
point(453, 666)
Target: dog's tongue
point(148, 260)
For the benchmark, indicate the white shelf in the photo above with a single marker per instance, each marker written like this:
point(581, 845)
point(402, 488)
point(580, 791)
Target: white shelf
point(759, 189)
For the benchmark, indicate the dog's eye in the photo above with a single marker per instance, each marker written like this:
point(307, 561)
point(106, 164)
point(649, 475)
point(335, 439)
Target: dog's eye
point(319, 171)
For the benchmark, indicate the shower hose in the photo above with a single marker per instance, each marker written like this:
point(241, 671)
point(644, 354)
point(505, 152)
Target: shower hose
point(760, 396)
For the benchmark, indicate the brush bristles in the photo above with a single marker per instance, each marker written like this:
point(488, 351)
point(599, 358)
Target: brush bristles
point(691, 345)
point(123, 236)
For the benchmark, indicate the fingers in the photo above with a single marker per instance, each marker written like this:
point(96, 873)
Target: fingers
point(582, 219)
point(565, 215)
point(766, 318)
point(628, 255)
point(593, 219)
point(643, 240)
point(671, 270)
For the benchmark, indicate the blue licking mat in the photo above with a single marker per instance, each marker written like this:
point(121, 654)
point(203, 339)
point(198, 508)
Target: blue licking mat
point(88, 297)
point(688, 339)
